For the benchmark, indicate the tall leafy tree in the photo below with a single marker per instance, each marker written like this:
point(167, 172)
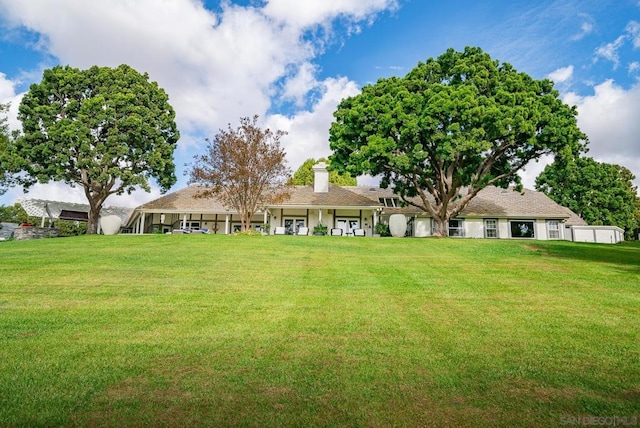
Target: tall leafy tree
point(304, 175)
point(244, 167)
point(105, 129)
point(5, 176)
point(600, 193)
point(452, 126)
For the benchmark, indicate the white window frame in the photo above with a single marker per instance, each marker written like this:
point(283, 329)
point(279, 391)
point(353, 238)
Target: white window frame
point(459, 228)
point(487, 228)
point(555, 223)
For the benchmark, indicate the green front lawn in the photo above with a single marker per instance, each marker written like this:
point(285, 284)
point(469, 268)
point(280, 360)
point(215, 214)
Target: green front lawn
point(202, 330)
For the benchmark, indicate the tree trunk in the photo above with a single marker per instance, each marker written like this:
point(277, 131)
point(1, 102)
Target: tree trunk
point(441, 227)
point(94, 216)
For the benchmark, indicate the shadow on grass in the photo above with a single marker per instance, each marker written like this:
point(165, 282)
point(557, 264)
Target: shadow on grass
point(626, 255)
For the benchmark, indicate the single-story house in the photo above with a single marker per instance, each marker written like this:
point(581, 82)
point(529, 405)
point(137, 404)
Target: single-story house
point(493, 213)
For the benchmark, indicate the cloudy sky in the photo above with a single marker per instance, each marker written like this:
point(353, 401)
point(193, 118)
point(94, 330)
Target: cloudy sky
point(292, 61)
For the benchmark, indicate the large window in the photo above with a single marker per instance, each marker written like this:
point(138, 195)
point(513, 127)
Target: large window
point(455, 227)
point(192, 225)
point(491, 228)
point(553, 229)
point(522, 229)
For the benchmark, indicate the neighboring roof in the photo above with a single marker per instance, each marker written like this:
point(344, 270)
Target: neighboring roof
point(574, 219)
point(53, 209)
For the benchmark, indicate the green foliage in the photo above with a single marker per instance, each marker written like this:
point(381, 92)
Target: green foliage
point(600, 193)
point(108, 130)
point(304, 175)
point(71, 228)
point(382, 229)
point(14, 214)
point(452, 126)
point(6, 178)
point(320, 229)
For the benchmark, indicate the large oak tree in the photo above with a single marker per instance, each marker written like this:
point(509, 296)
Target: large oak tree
point(105, 129)
point(452, 126)
point(244, 167)
point(5, 175)
point(600, 193)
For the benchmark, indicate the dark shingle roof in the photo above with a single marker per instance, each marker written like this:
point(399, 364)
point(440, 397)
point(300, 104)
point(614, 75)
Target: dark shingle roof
point(336, 197)
point(490, 201)
point(185, 200)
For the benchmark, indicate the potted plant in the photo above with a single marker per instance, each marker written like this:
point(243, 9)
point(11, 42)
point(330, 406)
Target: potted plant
point(320, 229)
point(264, 228)
point(381, 229)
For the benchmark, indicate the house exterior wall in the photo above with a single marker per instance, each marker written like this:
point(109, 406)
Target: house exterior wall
point(599, 234)
point(541, 230)
point(583, 235)
point(422, 227)
point(473, 227)
point(503, 228)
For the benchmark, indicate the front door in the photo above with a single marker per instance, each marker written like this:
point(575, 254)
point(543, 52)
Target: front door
point(347, 225)
point(291, 225)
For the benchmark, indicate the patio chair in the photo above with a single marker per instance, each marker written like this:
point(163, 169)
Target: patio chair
point(359, 232)
point(336, 231)
point(303, 231)
point(280, 230)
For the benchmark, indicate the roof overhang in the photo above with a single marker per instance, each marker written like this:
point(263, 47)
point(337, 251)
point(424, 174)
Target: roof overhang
point(74, 215)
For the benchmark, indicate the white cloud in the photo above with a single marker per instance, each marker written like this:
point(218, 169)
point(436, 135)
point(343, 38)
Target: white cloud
point(215, 66)
point(586, 28)
point(304, 14)
point(634, 67)
point(610, 119)
point(8, 95)
point(309, 130)
point(562, 74)
point(633, 29)
point(609, 51)
point(299, 85)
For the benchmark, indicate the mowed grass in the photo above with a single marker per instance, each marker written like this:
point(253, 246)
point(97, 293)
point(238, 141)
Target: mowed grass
point(317, 331)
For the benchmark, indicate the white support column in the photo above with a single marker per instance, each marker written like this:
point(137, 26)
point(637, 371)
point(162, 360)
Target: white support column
point(319, 215)
point(375, 221)
point(42, 222)
point(141, 223)
point(226, 224)
point(184, 221)
point(264, 217)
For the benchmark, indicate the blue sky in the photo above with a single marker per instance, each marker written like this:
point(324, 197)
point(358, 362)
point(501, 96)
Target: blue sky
point(291, 61)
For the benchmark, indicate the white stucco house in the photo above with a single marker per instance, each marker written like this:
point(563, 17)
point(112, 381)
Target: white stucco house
point(494, 213)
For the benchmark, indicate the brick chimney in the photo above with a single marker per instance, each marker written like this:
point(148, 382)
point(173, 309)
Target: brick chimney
point(320, 178)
